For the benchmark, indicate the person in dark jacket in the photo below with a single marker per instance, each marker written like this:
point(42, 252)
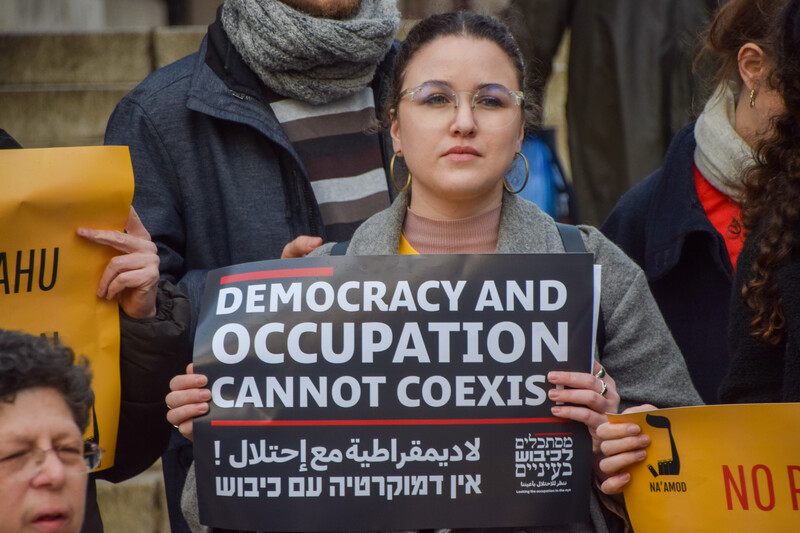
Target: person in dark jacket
point(630, 84)
point(765, 311)
point(764, 371)
point(675, 223)
point(154, 344)
point(764, 363)
point(7, 141)
point(260, 137)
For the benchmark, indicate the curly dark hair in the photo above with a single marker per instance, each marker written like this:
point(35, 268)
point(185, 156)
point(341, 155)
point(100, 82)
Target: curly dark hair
point(461, 24)
point(735, 24)
point(28, 361)
point(771, 202)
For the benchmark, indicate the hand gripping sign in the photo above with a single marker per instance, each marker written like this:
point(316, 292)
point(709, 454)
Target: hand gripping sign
point(392, 392)
point(717, 468)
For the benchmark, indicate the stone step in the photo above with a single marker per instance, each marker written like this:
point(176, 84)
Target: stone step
point(135, 505)
point(60, 89)
point(63, 58)
point(97, 57)
point(59, 115)
point(171, 43)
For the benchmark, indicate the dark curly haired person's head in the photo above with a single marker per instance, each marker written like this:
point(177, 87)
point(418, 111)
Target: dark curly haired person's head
point(28, 361)
point(771, 205)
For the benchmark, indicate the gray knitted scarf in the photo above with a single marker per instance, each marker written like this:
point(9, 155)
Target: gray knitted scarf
point(721, 154)
point(311, 59)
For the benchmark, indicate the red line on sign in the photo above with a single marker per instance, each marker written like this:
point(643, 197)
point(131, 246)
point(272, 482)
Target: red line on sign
point(399, 422)
point(273, 274)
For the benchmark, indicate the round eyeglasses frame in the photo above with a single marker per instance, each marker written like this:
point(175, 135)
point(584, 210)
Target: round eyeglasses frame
point(517, 97)
point(77, 457)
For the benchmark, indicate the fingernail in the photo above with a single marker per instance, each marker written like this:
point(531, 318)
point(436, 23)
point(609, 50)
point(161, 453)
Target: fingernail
point(82, 232)
point(551, 376)
point(201, 380)
point(644, 440)
point(555, 410)
point(626, 476)
point(554, 394)
point(641, 454)
point(633, 429)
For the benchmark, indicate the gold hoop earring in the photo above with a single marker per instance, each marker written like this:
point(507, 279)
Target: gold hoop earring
point(524, 183)
point(391, 174)
point(752, 97)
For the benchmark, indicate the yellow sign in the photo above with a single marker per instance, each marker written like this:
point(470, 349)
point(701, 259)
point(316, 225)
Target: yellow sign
point(49, 275)
point(717, 468)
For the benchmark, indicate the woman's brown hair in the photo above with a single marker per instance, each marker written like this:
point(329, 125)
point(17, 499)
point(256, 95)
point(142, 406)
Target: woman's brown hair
point(735, 24)
point(771, 204)
point(462, 24)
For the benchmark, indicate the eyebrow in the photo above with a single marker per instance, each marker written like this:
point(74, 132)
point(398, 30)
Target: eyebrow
point(55, 438)
point(479, 87)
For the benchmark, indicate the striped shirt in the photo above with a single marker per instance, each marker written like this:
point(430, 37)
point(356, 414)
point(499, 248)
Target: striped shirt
point(344, 164)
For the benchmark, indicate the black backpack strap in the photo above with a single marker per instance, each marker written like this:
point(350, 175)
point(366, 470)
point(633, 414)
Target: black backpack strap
point(573, 243)
point(340, 248)
point(571, 238)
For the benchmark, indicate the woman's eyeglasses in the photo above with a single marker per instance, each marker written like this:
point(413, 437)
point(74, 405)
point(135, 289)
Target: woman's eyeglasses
point(77, 456)
point(493, 106)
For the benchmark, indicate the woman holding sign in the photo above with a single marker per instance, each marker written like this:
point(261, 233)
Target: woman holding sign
point(457, 114)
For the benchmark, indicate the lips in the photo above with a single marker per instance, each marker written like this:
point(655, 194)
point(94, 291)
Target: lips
point(50, 521)
point(461, 153)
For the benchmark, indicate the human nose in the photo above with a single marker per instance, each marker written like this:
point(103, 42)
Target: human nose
point(47, 468)
point(464, 121)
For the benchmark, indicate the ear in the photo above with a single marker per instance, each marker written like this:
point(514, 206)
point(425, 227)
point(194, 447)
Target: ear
point(520, 137)
point(394, 130)
point(753, 67)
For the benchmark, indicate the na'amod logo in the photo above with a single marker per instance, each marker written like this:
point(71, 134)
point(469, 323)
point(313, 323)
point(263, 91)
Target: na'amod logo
point(666, 467)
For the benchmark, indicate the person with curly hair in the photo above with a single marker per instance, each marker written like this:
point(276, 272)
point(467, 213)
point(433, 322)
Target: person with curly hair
point(764, 320)
point(677, 223)
point(765, 311)
point(45, 403)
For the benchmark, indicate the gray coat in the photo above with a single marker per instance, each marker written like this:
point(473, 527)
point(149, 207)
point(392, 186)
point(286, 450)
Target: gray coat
point(639, 352)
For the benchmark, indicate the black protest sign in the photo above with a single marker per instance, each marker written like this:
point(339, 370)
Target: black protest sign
point(392, 392)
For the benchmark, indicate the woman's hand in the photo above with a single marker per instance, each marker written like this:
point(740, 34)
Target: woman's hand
point(623, 446)
point(594, 395)
point(301, 246)
point(187, 400)
point(132, 277)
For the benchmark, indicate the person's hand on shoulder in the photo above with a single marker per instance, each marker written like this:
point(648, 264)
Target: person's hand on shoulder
point(301, 246)
point(623, 446)
point(131, 277)
point(187, 400)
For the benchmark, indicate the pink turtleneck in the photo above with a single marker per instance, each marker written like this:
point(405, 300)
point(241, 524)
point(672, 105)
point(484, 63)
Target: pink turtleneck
point(476, 234)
